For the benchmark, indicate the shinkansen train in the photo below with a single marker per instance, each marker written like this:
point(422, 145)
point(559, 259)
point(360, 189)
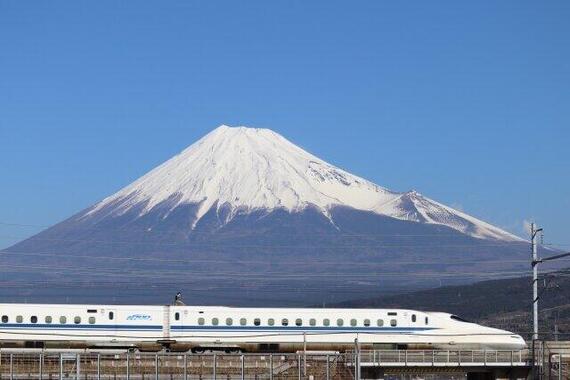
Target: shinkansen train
point(232, 329)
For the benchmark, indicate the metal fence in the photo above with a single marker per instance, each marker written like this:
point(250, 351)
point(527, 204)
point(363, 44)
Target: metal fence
point(131, 366)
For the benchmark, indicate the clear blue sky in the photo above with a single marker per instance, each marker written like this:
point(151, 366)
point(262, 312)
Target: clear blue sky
point(466, 102)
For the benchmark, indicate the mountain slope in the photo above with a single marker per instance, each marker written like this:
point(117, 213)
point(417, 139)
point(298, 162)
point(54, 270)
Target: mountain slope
point(246, 169)
point(244, 216)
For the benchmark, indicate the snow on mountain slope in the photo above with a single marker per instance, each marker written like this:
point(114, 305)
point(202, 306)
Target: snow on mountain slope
point(249, 169)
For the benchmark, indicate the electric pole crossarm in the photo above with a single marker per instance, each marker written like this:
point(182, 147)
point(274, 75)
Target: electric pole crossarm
point(554, 257)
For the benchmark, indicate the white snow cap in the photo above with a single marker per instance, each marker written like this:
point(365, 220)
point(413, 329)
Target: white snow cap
point(250, 169)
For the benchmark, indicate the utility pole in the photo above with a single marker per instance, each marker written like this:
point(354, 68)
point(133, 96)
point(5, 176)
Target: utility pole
point(533, 234)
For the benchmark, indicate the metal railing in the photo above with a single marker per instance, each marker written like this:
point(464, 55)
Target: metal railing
point(423, 358)
point(43, 365)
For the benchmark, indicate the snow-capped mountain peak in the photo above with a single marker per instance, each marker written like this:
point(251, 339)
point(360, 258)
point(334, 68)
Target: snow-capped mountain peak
point(250, 169)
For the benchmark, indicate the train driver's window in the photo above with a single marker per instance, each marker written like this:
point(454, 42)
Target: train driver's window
point(353, 322)
point(4, 319)
point(257, 321)
point(326, 322)
point(284, 322)
point(77, 320)
point(229, 321)
point(413, 317)
point(367, 323)
point(271, 321)
point(243, 321)
point(393, 322)
point(34, 319)
point(19, 319)
point(111, 315)
point(48, 319)
point(177, 316)
point(427, 320)
point(298, 322)
point(62, 320)
point(380, 322)
point(340, 322)
point(215, 321)
point(312, 322)
point(201, 321)
point(91, 320)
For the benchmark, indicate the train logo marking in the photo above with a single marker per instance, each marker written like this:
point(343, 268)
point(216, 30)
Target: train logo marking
point(139, 317)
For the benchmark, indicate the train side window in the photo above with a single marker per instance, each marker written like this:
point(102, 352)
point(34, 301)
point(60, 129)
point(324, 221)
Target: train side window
point(326, 322)
point(243, 321)
point(19, 319)
point(271, 321)
point(393, 313)
point(367, 323)
point(215, 321)
point(91, 320)
point(340, 322)
point(353, 322)
point(427, 320)
point(413, 317)
point(34, 319)
point(284, 322)
point(62, 320)
point(229, 321)
point(201, 321)
point(298, 322)
point(177, 316)
point(257, 321)
point(111, 315)
point(393, 322)
point(47, 319)
point(4, 319)
point(312, 322)
point(77, 320)
point(380, 322)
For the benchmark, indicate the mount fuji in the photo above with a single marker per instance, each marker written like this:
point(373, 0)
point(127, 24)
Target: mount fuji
point(244, 216)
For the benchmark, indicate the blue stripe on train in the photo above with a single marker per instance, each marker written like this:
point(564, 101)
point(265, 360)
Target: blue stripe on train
point(23, 326)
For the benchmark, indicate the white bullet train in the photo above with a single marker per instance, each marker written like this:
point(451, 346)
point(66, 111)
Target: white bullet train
point(233, 329)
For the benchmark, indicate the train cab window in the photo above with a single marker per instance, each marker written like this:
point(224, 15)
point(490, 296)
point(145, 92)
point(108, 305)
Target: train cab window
point(367, 323)
point(285, 322)
point(201, 321)
point(340, 322)
point(77, 320)
point(111, 315)
point(19, 319)
point(312, 322)
point(177, 316)
point(229, 321)
point(243, 321)
point(393, 322)
point(34, 319)
point(48, 319)
point(380, 323)
point(215, 321)
point(427, 320)
point(62, 320)
point(392, 313)
point(326, 322)
point(91, 320)
point(353, 322)
point(459, 319)
point(298, 322)
point(271, 321)
point(4, 319)
point(413, 317)
point(257, 321)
